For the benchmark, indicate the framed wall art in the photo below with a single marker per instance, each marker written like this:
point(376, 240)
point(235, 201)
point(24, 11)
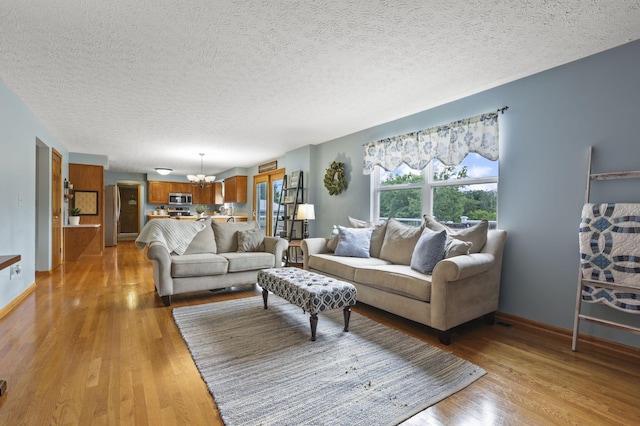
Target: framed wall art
point(87, 202)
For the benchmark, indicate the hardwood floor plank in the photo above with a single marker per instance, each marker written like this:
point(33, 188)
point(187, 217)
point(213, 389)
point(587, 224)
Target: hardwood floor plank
point(93, 344)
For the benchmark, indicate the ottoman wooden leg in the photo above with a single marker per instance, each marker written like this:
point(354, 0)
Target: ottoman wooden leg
point(346, 312)
point(265, 296)
point(313, 319)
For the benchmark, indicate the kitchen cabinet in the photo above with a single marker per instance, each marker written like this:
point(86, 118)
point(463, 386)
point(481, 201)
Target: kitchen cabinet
point(82, 240)
point(203, 195)
point(183, 188)
point(235, 189)
point(159, 192)
point(208, 195)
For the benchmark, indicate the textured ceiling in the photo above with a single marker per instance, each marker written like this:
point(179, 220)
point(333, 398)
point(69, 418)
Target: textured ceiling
point(151, 83)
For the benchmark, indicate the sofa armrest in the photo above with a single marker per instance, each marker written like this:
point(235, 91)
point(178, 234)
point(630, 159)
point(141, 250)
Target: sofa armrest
point(468, 286)
point(277, 246)
point(460, 267)
point(311, 246)
point(161, 258)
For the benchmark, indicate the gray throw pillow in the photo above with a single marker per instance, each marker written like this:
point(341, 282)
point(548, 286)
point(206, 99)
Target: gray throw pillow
point(251, 240)
point(377, 236)
point(429, 251)
point(353, 242)
point(204, 241)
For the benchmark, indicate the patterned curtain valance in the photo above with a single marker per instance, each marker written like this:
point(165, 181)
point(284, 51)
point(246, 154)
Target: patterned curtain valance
point(449, 144)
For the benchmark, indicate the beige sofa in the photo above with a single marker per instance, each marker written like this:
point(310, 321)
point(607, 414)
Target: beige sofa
point(460, 288)
point(223, 254)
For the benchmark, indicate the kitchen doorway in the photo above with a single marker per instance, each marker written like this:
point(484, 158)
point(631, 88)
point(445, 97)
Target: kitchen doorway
point(129, 223)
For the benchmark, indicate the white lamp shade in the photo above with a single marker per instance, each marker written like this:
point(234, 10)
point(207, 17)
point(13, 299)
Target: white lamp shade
point(306, 211)
point(163, 170)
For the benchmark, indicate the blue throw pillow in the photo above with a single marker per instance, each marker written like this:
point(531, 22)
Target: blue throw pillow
point(429, 250)
point(353, 242)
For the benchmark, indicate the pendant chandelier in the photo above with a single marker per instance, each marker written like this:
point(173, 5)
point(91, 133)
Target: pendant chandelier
point(201, 179)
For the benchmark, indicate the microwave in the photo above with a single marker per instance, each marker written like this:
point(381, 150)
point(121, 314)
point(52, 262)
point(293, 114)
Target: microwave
point(175, 198)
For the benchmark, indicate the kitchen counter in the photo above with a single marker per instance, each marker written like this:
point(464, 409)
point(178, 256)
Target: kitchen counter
point(225, 218)
point(82, 240)
point(216, 217)
point(185, 217)
point(158, 216)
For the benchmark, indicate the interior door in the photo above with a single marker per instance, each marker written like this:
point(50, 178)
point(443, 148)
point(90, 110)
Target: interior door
point(56, 209)
point(129, 209)
point(266, 193)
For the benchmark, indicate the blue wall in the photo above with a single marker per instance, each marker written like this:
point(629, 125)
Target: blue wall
point(25, 165)
point(553, 117)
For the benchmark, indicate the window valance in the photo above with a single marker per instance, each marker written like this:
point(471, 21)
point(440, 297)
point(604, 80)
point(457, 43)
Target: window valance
point(449, 144)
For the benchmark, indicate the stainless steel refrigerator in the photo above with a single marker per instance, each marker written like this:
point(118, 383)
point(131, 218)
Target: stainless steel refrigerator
point(111, 215)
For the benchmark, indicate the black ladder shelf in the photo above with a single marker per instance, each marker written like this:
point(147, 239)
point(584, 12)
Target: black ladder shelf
point(291, 196)
point(288, 206)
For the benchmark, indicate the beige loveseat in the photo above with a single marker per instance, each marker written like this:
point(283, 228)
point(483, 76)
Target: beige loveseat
point(221, 254)
point(460, 288)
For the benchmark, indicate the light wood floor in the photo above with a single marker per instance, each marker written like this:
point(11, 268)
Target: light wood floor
point(94, 345)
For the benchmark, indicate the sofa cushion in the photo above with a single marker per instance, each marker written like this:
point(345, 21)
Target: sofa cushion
point(476, 235)
point(398, 279)
point(431, 223)
point(196, 265)
point(251, 240)
point(353, 242)
point(225, 233)
point(249, 261)
point(455, 247)
point(339, 266)
point(332, 241)
point(204, 241)
point(429, 250)
point(399, 242)
point(377, 236)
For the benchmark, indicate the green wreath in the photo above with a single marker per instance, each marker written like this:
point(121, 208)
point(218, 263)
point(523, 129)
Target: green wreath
point(335, 179)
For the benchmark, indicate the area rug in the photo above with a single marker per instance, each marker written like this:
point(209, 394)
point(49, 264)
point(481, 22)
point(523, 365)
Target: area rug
point(262, 368)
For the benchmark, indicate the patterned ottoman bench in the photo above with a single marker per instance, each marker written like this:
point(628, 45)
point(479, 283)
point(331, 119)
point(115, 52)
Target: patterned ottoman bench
point(312, 292)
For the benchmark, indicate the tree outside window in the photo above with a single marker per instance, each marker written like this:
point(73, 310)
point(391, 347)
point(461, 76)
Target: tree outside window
point(453, 194)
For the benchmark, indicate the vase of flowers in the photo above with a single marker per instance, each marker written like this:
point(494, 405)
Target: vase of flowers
point(200, 210)
point(74, 216)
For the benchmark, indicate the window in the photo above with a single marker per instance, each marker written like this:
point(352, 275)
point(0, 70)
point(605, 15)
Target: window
point(466, 192)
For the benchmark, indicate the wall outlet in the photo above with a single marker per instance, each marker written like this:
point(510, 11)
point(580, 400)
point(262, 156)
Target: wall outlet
point(14, 270)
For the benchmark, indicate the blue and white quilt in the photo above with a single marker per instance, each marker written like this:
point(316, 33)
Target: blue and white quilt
point(610, 252)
